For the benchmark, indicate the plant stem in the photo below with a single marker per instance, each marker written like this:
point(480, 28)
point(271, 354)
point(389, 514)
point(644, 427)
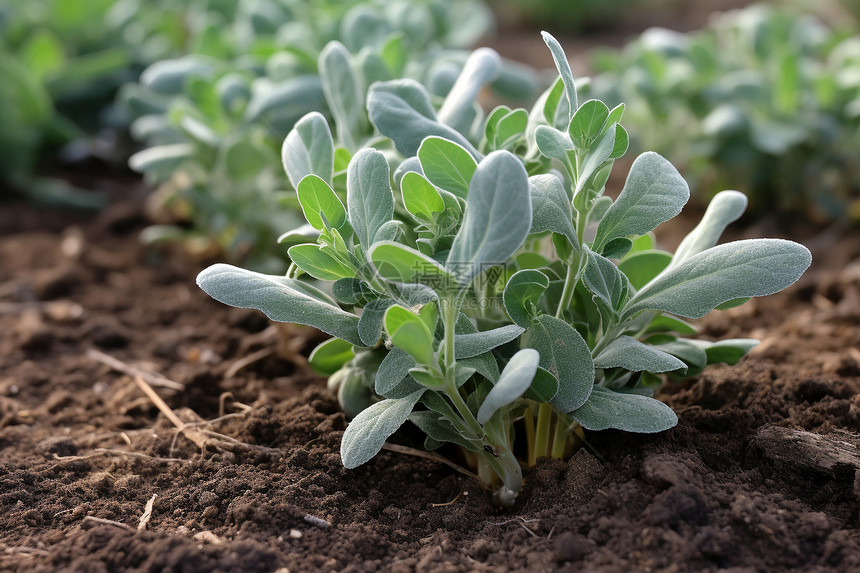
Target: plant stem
point(530, 434)
point(559, 440)
point(542, 431)
point(567, 293)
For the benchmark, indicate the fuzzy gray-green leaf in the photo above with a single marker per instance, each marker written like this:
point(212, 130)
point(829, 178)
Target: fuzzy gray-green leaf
point(629, 412)
point(343, 93)
point(628, 353)
point(515, 379)
point(469, 345)
point(724, 208)
point(753, 267)
point(366, 434)
point(482, 67)
point(566, 355)
point(653, 193)
point(368, 195)
point(309, 149)
point(280, 298)
point(563, 67)
point(401, 110)
point(551, 208)
point(497, 219)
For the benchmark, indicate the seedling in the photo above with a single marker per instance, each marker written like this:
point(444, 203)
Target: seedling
point(478, 297)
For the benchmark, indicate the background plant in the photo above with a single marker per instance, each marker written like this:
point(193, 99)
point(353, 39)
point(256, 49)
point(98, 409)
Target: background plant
point(764, 100)
point(212, 127)
point(464, 320)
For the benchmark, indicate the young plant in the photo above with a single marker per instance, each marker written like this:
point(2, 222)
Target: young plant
point(494, 307)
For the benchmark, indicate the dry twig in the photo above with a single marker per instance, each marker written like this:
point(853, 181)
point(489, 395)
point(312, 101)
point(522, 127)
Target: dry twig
point(152, 378)
point(431, 456)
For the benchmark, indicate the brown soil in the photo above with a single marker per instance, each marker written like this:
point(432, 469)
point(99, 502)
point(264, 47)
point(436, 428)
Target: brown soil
point(758, 476)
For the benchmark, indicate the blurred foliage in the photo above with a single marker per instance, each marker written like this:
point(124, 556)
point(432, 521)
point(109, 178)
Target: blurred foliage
point(567, 16)
point(764, 100)
point(213, 121)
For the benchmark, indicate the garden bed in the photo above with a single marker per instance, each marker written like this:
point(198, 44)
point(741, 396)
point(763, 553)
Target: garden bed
point(759, 475)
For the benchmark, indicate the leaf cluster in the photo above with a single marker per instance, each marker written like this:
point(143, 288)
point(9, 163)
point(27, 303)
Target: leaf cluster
point(487, 285)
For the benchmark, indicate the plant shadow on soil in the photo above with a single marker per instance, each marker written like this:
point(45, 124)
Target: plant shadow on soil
point(759, 475)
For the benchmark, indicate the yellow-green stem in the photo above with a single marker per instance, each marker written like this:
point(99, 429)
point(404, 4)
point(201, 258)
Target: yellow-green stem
point(542, 436)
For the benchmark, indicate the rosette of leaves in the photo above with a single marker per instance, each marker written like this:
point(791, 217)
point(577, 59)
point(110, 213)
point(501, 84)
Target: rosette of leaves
point(752, 102)
point(513, 296)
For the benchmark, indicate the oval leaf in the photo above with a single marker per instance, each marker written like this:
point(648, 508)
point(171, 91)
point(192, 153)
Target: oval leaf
point(653, 193)
point(753, 267)
point(280, 298)
point(629, 412)
point(515, 379)
point(497, 219)
point(368, 195)
point(366, 434)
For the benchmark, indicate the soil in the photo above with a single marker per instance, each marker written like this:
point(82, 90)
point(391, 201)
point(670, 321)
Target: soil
point(759, 475)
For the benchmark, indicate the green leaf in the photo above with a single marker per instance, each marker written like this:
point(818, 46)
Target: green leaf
point(343, 93)
point(566, 356)
point(734, 303)
point(299, 235)
point(551, 104)
point(687, 350)
point(328, 357)
point(642, 266)
point(563, 67)
point(371, 322)
point(653, 193)
point(551, 208)
point(628, 353)
point(606, 282)
point(473, 344)
point(728, 351)
point(497, 218)
point(587, 123)
point(318, 263)
point(511, 128)
point(522, 294)
point(409, 333)
point(440, 429)
point(368, 195)
point(309, 149)
point(553, 143)
point(481, 68)
point(366, 434)
point(399, 263)
point(617, 248)
point(515, 379)
point(315, 197)
point(595, 159)
point(401, 110)
point(724, 208)
point(665, 323)
point(420, 198)
point(394, 368)
point(621, 142)
point(280, 298)
point(753, 267)
point(447, 165)
point(544, 387)
point(629, 412)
